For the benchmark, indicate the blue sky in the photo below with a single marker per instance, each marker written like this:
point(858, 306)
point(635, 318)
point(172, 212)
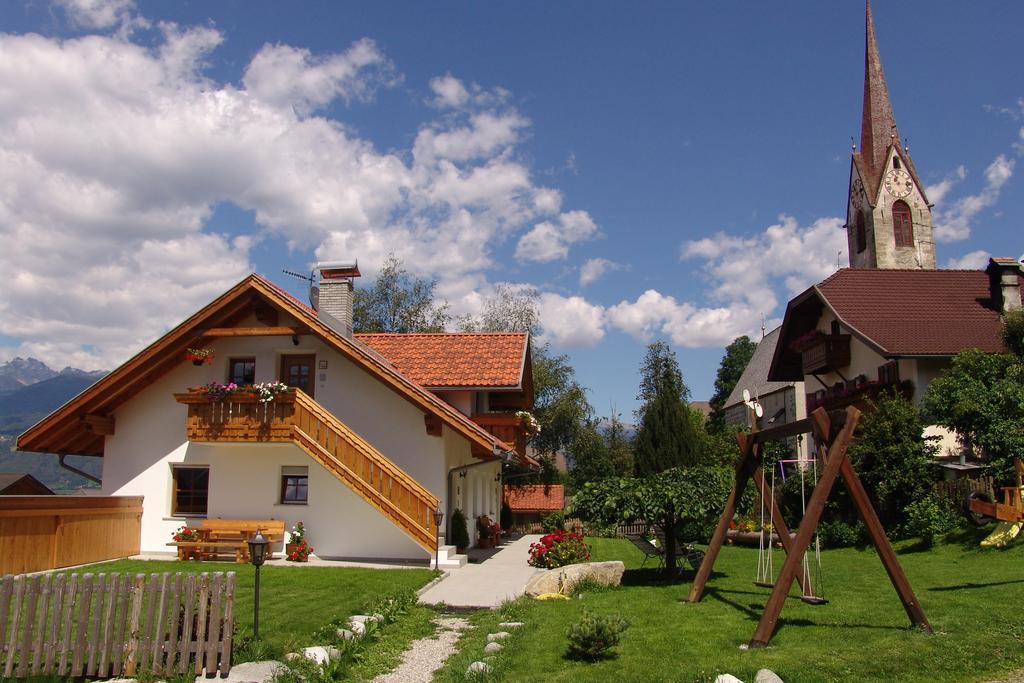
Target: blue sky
point(663, 170)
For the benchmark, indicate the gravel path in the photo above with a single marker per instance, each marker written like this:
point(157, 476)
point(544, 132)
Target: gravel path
point(426, 656)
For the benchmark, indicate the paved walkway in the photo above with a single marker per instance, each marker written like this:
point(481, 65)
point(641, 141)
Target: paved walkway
point(502, 576)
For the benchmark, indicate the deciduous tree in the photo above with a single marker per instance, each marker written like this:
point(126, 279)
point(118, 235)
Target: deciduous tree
point(398, 302)
point(734, 362)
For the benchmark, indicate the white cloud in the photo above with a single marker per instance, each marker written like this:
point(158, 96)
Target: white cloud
point(550, 240)
point(975, 260)
point(953, 223)
point(452, 93)
point(939, 190)
point(97, 14)
point(592, 270)
point(570, 321)
point(114, 155)
point(282, 75)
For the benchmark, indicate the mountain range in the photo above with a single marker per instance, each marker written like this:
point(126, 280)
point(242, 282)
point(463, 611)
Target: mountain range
point(29, 391)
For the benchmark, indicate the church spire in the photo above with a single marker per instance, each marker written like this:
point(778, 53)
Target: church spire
point(878, 124)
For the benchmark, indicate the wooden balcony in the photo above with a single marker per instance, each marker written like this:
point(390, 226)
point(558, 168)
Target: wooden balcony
point(505, 426)
point(296, 418)
point(848, 393)
point(241, 418)
point(827, 353)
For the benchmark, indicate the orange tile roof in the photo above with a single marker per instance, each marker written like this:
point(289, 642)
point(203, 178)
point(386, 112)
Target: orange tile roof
point(457, 359)
point(535, 497)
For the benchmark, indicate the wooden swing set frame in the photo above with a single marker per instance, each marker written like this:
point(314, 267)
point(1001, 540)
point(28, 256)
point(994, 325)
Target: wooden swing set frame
point(833, 432)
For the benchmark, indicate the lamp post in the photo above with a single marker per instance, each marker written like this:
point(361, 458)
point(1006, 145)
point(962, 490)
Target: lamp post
point(257, 556)
point(438, 518)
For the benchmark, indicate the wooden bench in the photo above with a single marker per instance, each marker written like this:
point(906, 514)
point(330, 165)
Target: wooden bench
point(230, 537)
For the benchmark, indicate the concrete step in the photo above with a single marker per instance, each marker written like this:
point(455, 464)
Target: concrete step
point(448, 558)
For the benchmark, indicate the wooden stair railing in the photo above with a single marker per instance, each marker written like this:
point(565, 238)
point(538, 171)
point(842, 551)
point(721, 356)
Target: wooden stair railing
point(296, 417)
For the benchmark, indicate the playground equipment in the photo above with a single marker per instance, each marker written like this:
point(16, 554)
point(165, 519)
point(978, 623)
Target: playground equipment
point(981, 510)
point(833, 433)
point(812, 577)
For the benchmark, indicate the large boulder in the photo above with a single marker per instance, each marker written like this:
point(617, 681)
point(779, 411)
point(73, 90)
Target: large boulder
point(564, 579)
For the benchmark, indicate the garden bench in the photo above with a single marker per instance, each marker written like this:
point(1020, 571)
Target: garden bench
point(649, 549)
point(229, 537)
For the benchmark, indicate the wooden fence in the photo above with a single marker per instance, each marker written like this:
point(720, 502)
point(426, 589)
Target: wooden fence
point(48, 532)
point(102, 625)
point(956, 490)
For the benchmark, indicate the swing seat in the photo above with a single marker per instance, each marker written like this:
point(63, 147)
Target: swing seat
point(764, 584)
point(813, 600)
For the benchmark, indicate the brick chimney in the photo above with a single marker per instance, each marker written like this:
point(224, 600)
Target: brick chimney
point(1004, 282)
point(335, 303)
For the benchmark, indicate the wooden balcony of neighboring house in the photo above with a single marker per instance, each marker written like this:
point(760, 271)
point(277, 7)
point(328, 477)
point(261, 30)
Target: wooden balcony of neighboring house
point(505, 426)
point(826, 353)
point(858, 392)
point(294, 417)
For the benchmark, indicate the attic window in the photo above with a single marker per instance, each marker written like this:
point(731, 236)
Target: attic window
point(896, 162)
point(242, 370)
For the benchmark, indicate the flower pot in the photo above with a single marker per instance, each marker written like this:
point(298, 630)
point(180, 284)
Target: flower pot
point(290, 548)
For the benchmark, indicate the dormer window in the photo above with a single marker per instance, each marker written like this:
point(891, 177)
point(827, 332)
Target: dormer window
point(902, 224)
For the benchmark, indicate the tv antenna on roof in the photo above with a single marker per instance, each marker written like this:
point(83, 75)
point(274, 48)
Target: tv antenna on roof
point(314, 291)
point(752, 404)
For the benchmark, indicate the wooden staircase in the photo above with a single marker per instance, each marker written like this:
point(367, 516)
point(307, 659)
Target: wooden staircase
point(295, 417)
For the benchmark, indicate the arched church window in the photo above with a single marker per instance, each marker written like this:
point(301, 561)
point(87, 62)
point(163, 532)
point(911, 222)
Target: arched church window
point(862, 233)
point(902, 224)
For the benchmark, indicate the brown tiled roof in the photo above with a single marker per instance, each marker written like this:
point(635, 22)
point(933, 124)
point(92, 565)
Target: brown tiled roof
point(443, 360)
point(916, 312)
point(535, 497)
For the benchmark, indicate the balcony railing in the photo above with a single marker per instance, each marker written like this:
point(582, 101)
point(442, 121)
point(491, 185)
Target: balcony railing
point(844, 394)
point(827, 353)
point(239, 417)
point(505, 426)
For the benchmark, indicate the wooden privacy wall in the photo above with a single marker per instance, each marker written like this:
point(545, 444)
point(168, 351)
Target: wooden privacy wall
point(102, 625)
point(48, 532)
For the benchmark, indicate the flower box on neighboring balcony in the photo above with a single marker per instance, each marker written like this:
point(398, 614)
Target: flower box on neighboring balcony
point(826, 354)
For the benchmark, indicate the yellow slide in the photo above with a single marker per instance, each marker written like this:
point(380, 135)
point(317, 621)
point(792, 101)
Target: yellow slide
point(1003, 534)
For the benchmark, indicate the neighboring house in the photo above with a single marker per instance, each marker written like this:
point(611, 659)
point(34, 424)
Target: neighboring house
point(891, 320)
point(781, 402)
point(530, 502)
point(22, 485)
point(702, 407)
point(379, 432)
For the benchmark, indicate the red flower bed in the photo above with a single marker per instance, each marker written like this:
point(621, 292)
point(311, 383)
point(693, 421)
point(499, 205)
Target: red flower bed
point(558, 549)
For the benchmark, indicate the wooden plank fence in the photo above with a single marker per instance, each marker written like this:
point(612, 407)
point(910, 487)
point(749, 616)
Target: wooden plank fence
point(102, 625)
point(956, 490)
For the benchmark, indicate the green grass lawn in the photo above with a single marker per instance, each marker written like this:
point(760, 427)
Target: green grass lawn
point(973, 598)
point(294, 601)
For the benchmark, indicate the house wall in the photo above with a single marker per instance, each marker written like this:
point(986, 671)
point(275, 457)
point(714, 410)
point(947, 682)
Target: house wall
point(462, 401)
point(244, 478)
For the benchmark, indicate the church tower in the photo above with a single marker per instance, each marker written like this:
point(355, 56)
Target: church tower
point(888, 217)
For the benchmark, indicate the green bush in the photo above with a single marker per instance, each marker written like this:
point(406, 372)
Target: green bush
point(1013, 332)
point(835, 533)
point(553, 522)
point(460, 534)
point(594, 635)
point(929, 517)
point(505, 518)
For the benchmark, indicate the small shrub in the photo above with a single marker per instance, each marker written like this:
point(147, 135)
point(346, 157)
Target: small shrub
point(460, 533)
point(559, 549)
point(836, 533)
point(1013, 332)
point(929, 517)
point(553, 521)
point(505, 518)
point(594, 635)
point(249, 649)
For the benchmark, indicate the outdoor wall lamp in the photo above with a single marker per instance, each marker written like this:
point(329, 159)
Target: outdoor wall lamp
point(438, 518)
point(257, 556)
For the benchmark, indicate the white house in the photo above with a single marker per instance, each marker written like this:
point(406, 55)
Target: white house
point(378, 432)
